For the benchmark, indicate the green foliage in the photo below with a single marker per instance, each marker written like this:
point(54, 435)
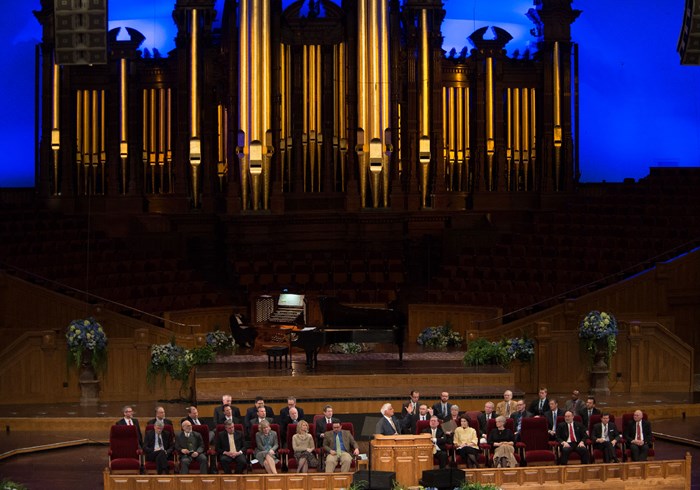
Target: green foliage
point(481, 352)
point(6, 484)
point(466, 485)
point(177, 362)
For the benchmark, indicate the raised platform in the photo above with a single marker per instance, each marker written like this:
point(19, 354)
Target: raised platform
point(352, 382)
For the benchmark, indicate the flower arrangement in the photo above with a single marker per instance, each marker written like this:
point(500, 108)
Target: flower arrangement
point(481, 352)
point(599, 326)
point(520, 348)
point(221, 342)
point(349, 348)
point(6, 484)
point(439, 337)
point(175, 361)
point(86, 337)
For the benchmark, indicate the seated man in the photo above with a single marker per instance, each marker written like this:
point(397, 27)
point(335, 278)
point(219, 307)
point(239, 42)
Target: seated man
point(251, 414)
point(638, 435)
point(605, 437)
point(190, 447)
point(518, 416)
point(219, 411)
point(322, 422)
point(160, 415)
point(438, 438)
point(506, 406)
point(340, 446)
point(158, 448)
point(230, 449)
point(571, 437)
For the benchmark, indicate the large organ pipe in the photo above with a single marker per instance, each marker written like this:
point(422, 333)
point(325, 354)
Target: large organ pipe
point(79, 128)
point(459, 156)
point(557, 117)
point(516, 137)
point(526, 137)
point(490, 144)
point(317, 117)
point(533, 146)
point(152, 140)
point(283, 113)
point(123, 134)
point(363, 96)
point(265, 107)
point(86, 137)
point(509, 136)
point(384, 94)
point(243, 98)
point(424, 150)
point(467, 137)
point(305, 113)
point(103, 155)
point(195, 143)
point(55, 121)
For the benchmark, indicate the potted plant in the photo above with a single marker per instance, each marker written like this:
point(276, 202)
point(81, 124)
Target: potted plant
point(598, 333)
point(439, 337)
point(221, 342)
point(481, 352)
point(519, 348)
point(87, 350)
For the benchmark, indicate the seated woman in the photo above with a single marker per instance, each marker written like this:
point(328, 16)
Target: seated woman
point(454, 417)
point(466, 442)
point(502, 441)
point(267, 445)
point(303, 447)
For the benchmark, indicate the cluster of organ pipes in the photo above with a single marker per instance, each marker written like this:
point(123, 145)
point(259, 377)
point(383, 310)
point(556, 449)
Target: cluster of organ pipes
point(156, 149)
point(520, 138)
point(455, 113)
point(90, 155)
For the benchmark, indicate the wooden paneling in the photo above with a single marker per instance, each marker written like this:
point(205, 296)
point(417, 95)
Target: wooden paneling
point(461, 318)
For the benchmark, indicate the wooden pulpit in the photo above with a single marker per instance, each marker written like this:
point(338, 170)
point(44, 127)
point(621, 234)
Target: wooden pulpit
point(406, 455)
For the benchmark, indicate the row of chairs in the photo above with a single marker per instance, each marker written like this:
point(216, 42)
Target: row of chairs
point(125, 455)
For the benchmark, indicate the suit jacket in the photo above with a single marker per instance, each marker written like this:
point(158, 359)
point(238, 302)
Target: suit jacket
point(321, 427)
point(584, 416)
point(222, 444)
point(384, 428)
point(404, 412)
point(574, 406)
point(121, 421)
point(501, 407)
point(631, 431)
point(552, 418)
point(165, 421)
point(149, 444)
point(597, 431)
point(483, 421)
point(534, 407)
point(220, 418)
point(517, 416)
point(437, 411)
point(562, 433)
point(439, 435)
point(329, 441)
point(193, 443)
point(284, 414)
point(252, 413)
point(413, 420)
point(191, 420)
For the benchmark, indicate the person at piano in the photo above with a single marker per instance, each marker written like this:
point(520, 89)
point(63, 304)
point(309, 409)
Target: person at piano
point(389, 424)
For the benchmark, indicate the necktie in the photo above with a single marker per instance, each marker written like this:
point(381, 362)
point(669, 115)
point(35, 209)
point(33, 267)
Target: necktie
point(160, 443)
point(231, 443)
point(392, 425)
point(435, 446)
point(541, 403)
point(338, 447)
point(605, 432)
point(196, 422)
point(554, 419)
point(639, 431)
point(572, 436)
point(507, 409)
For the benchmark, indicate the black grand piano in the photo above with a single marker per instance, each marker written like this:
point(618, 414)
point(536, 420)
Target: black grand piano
point(342, 323)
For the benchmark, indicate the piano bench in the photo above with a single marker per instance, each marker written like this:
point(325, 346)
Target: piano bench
point(275, 353)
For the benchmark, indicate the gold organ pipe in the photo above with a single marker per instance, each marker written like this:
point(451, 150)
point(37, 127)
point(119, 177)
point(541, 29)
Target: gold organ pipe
point(264, 39)
point(161, 125)
point(219, 134)
point(255, 75)
point(384, 67)
point(319, 106)
point(489, 102)
point(95, 146)
point(557, 87)
point(341, 92)
point(362, 70)
point(374, 49)
point(509, 136)
point(122, 101)
point(526, 136)
point(516, 127)
point(152, 127)
point(460, 137)
point(194, 101)
point(55, 96)
point(244, 79)
point(452, 121)
point(532, 133)
point(425, 86)
point(79, 125)
point(305, 70)
point(144, 126)
point(467, 136)
point(283, 94)
point(86, 126)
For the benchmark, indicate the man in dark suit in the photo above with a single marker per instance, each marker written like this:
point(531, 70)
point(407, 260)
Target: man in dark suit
point(605, 437)
point(638, 436)
point(193, 416)
point(413, 401)
point(518, 416)
point(219, 411)
point(539, 406)
point(322, 423)
point(292, 418)
point(571, 436)
point(190, 447)
point(389, 424)
point(252, 412)
point(551, 416)
point(588, 410)
point(291, 403)
point(442, 408)
point(438, 438)
point(157, 447)
point(484, 417)
point(160, 415)
point(129, 419)
point(423, 413)
point(230, 449)
point(340, 447)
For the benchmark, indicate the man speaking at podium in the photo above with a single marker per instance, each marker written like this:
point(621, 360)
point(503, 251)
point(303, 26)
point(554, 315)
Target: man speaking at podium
point(389, 425)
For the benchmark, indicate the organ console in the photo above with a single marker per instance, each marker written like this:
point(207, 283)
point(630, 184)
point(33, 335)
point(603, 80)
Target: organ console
point(342, 323)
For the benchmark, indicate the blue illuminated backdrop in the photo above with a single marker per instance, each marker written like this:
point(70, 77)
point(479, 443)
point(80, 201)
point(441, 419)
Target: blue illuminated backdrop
point(639, 107)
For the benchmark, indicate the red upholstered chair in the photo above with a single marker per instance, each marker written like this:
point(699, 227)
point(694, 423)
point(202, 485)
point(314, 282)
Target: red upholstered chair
point(290, 461)
point(124, 451)
point(534, 446)
point(343, 426)
point(421, 425)
point(250, 452)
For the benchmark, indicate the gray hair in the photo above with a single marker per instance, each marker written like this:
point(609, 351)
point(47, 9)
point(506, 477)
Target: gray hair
point(228, 423)
point(159, 423)
point(263, 424)
point(384, 408)
point(501, 419)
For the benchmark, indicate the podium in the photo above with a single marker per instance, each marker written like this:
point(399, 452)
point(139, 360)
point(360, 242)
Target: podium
point(406, 455)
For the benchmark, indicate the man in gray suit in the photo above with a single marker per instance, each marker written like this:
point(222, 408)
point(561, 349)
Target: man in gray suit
point(190, 447)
